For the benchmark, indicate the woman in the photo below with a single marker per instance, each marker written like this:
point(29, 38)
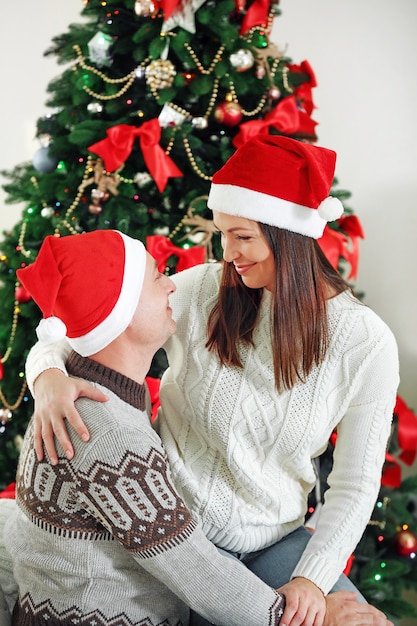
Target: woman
point(272, 353)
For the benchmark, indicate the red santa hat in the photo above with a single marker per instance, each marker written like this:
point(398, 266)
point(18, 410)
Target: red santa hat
point(278, 181)
point(87, 287)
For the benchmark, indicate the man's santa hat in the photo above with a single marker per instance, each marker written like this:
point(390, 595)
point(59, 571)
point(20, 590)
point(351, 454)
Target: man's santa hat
point(278, 181)
point(87, 287)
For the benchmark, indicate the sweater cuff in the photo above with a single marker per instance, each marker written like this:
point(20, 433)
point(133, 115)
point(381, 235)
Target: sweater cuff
point(41, 358)
point(317, 569)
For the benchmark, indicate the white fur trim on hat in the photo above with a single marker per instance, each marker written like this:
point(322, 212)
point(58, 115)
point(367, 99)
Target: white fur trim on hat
point(122, 313)
point(243, 202)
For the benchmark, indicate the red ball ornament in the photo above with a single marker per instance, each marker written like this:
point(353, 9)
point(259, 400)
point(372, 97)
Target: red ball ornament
point(405, 542)
point(22, 295)
point(228, 113)
point(274, 93)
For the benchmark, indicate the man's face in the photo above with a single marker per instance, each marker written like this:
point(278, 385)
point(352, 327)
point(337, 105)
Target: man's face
point(152, 321)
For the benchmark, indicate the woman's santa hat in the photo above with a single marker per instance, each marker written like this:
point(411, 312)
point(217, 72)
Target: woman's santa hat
point(87, 287)
point(278, 181)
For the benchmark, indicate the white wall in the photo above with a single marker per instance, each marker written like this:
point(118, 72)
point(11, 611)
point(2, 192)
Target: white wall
point(26, 31)
point(363, 54)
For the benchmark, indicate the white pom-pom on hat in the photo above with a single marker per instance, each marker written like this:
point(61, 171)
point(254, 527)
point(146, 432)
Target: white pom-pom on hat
point(51, 329)
point(330, 209)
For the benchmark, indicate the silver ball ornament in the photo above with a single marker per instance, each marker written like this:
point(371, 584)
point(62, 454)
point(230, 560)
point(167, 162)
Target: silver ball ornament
point(43, 162)
point(199, 122)
point(47, 212)
point(242, 60)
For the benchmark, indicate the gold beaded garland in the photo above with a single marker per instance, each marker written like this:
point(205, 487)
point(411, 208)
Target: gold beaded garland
point(5, 357)
point(22, 249)
point(192, 160)
point(128, 80)
point(184, 112)
point(17, 403)
point(199, 65)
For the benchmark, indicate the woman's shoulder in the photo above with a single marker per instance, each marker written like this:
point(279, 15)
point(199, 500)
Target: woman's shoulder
point(205, 274)
point(356, 310)
point(196, 291)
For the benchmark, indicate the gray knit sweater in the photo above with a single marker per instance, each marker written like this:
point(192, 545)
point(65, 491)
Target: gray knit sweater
point(105, 539)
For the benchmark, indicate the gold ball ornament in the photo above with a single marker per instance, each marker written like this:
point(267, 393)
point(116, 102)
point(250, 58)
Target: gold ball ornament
point(160, 74)
point(144, 8)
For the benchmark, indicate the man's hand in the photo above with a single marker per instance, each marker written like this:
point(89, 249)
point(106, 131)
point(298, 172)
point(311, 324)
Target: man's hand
point(343, 610)
point(305, 604)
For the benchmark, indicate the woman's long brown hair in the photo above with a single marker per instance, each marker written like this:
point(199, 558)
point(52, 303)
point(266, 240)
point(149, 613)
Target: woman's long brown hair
point(304, 281)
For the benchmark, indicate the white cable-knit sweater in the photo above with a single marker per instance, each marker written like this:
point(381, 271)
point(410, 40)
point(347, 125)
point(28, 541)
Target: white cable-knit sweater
point(241, 454)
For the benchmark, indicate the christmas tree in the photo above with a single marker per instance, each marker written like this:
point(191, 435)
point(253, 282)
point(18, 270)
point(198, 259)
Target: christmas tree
point(155, 97)
point(384, 562)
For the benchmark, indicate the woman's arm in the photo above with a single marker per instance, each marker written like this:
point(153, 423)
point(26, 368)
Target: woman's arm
point(354, 482)
point(54, 395)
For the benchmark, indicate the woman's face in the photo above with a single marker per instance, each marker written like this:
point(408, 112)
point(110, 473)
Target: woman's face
point(245, 246)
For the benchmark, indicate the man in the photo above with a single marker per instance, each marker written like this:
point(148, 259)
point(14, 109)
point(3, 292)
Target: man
point(104, 538)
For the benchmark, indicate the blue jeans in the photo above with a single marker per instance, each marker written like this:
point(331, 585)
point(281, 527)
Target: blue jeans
point(274, 565)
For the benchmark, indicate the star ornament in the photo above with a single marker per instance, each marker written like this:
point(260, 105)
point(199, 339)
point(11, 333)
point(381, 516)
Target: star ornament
point(183, 16)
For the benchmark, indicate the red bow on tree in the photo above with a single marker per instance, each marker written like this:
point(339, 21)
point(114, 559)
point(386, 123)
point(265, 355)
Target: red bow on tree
point(161, 248)
point(286, 117)
point(391, 475)
point(407, 442)
point(9, 491)
point(153, 386)
point(407, 431)
point(256, 15)
point(117, 146)
point(304, 92)
point(344, 243)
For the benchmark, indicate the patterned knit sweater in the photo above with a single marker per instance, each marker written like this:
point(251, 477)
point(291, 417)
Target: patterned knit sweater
point(104, 539)
point(241, 454)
